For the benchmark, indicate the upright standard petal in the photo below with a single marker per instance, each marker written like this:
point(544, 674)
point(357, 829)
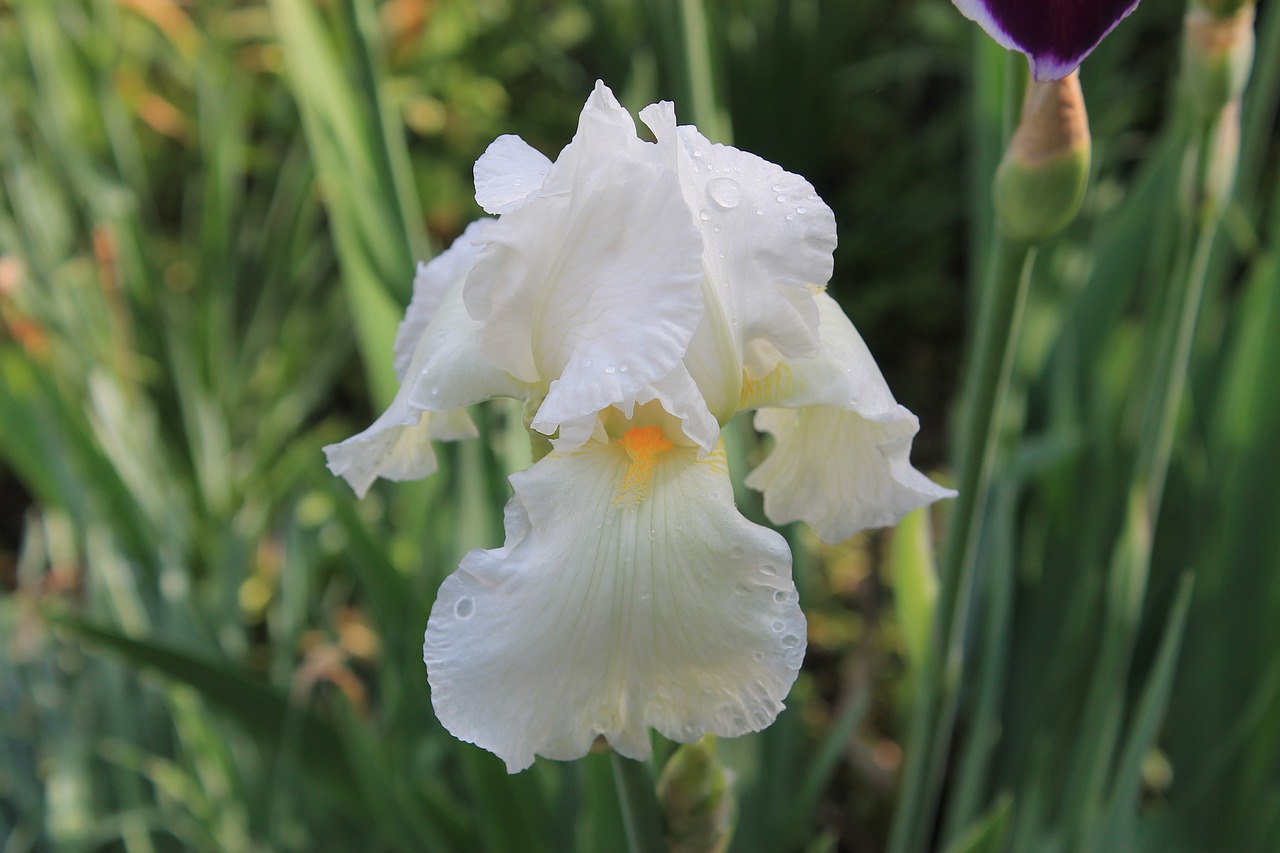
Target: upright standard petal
point(842, 443)
point(591, 290)
point(768, 237)
point(1056, 35)
point(430, 285)
point(630, 594)
point(508, 174)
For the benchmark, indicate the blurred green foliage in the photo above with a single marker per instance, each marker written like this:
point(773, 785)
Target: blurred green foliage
point(208, 216)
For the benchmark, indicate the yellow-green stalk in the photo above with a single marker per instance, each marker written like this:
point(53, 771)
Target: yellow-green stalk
point(1042, 178)
point(696, 796)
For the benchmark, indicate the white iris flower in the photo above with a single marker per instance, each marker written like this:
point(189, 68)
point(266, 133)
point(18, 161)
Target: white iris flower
point(636, 295)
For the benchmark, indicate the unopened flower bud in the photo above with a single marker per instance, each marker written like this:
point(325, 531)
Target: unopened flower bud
point(1217, 55)
point(1208, 183)
point(1222, 8)
point(1042, 178)
point(697, 799)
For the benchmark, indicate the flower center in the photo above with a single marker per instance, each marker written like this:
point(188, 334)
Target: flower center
point(643, 445)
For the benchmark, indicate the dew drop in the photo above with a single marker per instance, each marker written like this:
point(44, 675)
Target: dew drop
point(780, 596)
point(762, 719)
point(777, 188)
point(769, 568)
point(777, 626)
point(738, 552)
point(717, 229)
point(802, 210)
point(782, 198)
point(464, 607)
point(790, 216)
point(759, 212)
point(743, 589)
point(740, 722)
point(588, 362)
point(623, 368)
point(434, 390)
point(790, 641)
point(697, 155)
point(519, 181)
point(725, 192)
point(611, 368)
point(704, 215)
point(757, 656)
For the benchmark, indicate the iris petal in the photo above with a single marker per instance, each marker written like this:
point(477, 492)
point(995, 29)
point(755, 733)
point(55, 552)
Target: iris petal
point(592, 289)
point(767, 238)
point(624, 598)
point(1056, 35)
point(508, 173)
point(441, 371)
point(841, 455)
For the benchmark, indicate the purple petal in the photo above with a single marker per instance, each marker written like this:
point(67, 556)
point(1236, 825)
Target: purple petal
point(1056, 35)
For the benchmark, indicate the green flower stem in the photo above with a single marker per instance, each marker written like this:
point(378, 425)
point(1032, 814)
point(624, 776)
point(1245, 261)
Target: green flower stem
point(1130, 562)
point(986, 388)
point(640, 813)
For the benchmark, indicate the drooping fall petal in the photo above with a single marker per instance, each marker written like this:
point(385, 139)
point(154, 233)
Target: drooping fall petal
point(842, 443)
point(441, 371)
point(630, 594)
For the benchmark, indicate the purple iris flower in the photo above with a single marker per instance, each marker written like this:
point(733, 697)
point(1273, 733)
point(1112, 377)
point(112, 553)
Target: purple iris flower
point(1056, 35)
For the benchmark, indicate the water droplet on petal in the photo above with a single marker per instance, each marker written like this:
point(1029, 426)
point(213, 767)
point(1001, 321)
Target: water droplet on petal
point(769, 569)
point(623, 368)
point(782, 198)
point(697, 154)
point(759, 212)
point(610, 368)
point(588, 362)
point(738, 553)
point(725, 192)
point(434, 390)
point(705, 215)
point(780, 596)
point(777, 188)
point(464, 607)
point(762, 719)
point(790, 216)
point(777, 626)
point(802, 210)
point(758, 656)
point(790, 641)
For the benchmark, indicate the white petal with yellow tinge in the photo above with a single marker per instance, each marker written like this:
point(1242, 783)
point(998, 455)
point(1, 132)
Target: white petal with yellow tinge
point(630, 594)
point(841, 460)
